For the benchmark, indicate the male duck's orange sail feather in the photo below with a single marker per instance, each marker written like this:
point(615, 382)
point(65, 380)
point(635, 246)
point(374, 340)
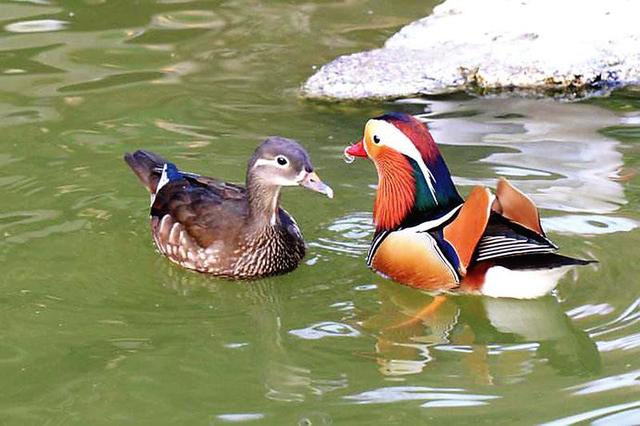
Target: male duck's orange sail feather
point(514, 205)
point(465, 231)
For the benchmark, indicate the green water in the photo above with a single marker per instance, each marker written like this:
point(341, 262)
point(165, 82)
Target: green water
point(97, 328)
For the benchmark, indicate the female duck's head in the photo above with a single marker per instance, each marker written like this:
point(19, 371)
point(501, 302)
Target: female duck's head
point(280, 162)
point(413, 180)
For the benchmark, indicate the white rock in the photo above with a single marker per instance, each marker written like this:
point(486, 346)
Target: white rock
point(569, 47)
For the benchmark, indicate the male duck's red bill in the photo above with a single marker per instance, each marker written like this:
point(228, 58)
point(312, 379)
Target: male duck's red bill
point(428, 237)
point(357, 149)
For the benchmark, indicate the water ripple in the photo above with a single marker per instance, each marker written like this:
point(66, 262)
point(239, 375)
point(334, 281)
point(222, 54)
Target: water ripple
point(622, 418)
point(240, 417)
point(435, 397)
point(583, 417)
point(325, 329)
point(68, 226)
point(588, 224)
point(351, 235)
point(184, 129)
point(623, 343)
point(555, 150)
point(187, 19)
point(629, 316)
point(590, 310)
point(12, 219)
point(631, 379)
point(112, 81)
point(37, 26)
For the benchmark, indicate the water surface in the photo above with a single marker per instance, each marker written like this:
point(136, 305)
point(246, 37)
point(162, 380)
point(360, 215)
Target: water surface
point(98, 329)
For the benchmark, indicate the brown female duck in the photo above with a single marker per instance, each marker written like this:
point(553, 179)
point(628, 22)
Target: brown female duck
point(225, 229)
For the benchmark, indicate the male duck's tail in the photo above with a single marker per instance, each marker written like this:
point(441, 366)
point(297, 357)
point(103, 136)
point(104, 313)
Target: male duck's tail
point(147, 166)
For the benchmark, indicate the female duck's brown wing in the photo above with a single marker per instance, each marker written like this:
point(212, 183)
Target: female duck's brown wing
point(188, 211)
point(196, 225)
point(206, 209)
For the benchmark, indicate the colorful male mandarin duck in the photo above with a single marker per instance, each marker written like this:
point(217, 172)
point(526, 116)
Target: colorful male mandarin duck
point(429, 238)
point(224, 229)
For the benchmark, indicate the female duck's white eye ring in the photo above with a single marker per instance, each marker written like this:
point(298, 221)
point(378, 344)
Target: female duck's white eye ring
point(376, 139)
point(282, 160)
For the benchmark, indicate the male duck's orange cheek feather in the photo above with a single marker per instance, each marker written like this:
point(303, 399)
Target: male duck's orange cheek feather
point(396, 189)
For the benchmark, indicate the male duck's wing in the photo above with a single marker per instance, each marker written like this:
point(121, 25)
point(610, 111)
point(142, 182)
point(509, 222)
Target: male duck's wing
point(514, 227)
point(505, 238)
point(491, 227)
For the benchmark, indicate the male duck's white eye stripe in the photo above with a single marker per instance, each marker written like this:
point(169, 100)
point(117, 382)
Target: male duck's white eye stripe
point(391, 136)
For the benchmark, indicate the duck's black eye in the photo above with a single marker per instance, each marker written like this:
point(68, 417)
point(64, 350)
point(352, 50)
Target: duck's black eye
point(281, 160)
point(376, 139)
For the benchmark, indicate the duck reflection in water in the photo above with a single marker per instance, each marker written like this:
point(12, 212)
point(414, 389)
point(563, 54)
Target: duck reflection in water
point(414, 329)
point(261, 309)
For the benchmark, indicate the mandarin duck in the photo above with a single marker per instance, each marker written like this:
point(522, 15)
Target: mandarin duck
point(428, 237)
point(228, 230)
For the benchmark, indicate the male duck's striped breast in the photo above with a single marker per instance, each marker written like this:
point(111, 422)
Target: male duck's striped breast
point(413, 258)
point(436, 253)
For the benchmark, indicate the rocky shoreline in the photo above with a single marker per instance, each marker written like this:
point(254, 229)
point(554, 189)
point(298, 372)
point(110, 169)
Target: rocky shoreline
point(541, 48)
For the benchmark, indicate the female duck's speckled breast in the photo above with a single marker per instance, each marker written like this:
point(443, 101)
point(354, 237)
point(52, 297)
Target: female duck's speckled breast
point(273, 251)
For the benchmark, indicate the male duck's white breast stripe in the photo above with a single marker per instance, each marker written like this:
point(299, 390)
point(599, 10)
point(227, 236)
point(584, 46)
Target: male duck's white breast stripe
point(435, 223)
point(377, 240)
